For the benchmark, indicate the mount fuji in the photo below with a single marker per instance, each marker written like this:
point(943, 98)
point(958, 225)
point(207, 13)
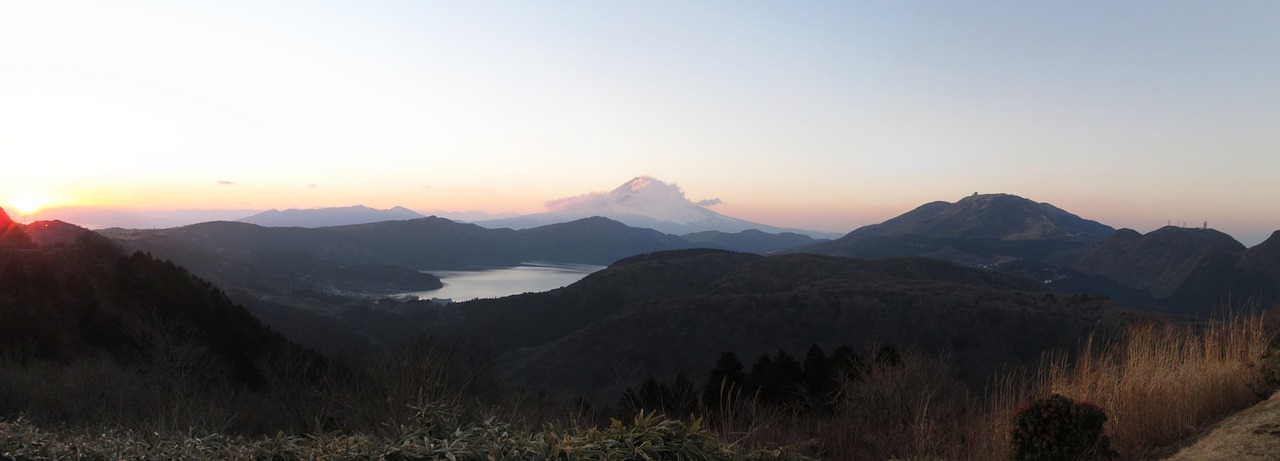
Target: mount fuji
point(641, 202)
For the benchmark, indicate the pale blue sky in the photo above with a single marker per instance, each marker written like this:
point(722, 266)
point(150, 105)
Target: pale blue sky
point(825, 115)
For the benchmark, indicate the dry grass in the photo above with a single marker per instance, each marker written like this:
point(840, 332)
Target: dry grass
point(1158, 383)
point(1161, 383)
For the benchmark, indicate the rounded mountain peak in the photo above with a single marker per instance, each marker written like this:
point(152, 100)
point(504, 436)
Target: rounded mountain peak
point(1006, 217)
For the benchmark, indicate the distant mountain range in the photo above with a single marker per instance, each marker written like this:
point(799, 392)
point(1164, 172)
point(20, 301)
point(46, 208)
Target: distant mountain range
point(1180, 269)
point(642, 202)
point(1174, 268)
point(329, 217)
point(383, 257)
point(103, 218)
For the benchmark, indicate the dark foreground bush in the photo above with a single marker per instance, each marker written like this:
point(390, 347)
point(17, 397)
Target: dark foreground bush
point(1058, 429)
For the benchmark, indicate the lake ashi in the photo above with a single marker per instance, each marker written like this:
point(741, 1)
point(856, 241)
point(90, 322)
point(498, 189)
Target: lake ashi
point(495, 283)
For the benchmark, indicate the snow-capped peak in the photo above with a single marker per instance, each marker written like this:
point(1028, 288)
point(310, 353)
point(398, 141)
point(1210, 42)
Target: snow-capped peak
point(643, 201)
point(642, 196)
point(641, 184)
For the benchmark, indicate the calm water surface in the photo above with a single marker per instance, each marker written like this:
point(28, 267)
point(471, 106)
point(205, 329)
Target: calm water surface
point(495, 283)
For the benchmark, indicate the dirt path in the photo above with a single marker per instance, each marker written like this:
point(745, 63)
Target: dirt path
point(1251, 435)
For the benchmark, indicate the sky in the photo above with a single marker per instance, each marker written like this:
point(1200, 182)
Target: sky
point(818, 115)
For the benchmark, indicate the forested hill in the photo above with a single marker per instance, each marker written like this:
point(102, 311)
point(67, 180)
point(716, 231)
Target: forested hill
point(675, 312)
point(84, 307)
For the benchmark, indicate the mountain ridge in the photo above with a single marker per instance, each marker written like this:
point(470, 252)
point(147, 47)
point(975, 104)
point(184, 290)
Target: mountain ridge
point(329, 217)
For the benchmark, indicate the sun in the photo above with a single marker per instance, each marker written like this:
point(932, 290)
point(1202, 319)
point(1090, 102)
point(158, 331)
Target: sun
point(29, 202)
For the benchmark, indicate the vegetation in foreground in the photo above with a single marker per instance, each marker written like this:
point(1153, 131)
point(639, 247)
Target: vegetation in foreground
point(1153, 386)
point(1134, 397)
point(435, 433)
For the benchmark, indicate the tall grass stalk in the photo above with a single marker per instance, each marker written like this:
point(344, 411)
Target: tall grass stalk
point(1160, 382)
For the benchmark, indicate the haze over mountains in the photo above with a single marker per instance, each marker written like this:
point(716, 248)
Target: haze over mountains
point(328, 217)
point(104, 218)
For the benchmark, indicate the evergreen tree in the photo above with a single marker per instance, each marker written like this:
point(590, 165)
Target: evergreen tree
point(725, 382)
point(818, 380)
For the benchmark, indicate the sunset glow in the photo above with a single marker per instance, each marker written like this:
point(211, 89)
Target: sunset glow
point(29, 202)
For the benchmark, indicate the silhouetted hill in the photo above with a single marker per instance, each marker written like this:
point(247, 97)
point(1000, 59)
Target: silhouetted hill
point(672, 312)
point(328, 217)
point(12, 234)
point(749, 241)
point(84, 300)
point(980, 229)
point(275, 260)
point(55, 233)
point(1159, 261)
point(1264, 258)
point(1187, 270)
point(535, 318)
point(593, 240)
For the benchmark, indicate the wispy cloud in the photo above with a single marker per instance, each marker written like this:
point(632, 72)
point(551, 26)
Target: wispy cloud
point(312, 186)
point(710, 202)
point(581, 202)
point(225, 183)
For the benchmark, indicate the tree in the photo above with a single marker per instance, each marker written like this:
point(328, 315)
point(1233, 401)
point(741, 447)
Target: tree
point(725, 382)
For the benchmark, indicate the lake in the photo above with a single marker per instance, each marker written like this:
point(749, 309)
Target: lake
point(495, 283)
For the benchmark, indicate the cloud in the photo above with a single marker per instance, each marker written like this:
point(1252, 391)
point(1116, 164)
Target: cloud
point(710, 202)
point(226, 183)
point(312, 186)
point(643, 192)
point(590, 201)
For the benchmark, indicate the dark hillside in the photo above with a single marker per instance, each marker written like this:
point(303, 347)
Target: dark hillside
point(1159, 261)
point(674, 312)
point(535, 318)
point(748, 241)
point(63, 304)
point(1264, 258)
point(593, 240)
point(120, 336)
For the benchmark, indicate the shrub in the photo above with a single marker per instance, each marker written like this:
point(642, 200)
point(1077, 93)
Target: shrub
point(1268, 367)
point(1057, 428)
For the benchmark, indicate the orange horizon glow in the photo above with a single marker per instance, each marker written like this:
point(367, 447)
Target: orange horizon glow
point(29, 202)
